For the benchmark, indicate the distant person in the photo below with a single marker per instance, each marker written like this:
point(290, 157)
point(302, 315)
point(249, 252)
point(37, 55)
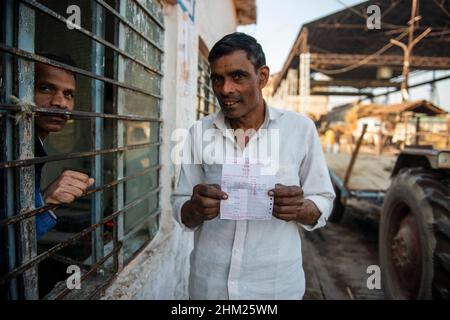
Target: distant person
point(350, 142)
point(329, 140)
point(337, 142)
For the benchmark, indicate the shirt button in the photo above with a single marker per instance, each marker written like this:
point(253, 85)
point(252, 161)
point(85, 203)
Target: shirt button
point(236, 250)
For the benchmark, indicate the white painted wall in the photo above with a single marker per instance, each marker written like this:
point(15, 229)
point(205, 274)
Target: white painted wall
point(216, 19)
point(161, 271)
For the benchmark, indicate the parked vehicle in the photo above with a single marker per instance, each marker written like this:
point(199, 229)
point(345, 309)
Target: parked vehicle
point(414, 221)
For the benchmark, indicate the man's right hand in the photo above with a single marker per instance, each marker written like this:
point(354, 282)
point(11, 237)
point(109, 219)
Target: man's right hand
point(67, 187)
point(204, 204)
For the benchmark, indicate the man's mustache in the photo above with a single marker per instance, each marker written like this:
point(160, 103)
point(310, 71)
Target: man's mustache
point(63, 116)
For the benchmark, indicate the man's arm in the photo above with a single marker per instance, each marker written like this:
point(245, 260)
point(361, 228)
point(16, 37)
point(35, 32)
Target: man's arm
point(191, 174)
point(315, 179)
point(311, 204)
point(69, 186)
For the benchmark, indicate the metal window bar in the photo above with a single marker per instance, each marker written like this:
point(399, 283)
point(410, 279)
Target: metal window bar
point(128, 24)
point(212, 101)
point(97, 93)
point(118, 222)
point(34, 212)
point(64, 156)
point(79, 114)
point(27, 228)
point(36, 259)
point(206, 101)
point(203, 112)
point(149, 14)
point(47, 11)
point(40, 257)
point(8, 149)
point(27, 267)
point(36, 58)
point(120, 157)
point(206, 87)
point(139, 223)
point(93, 268)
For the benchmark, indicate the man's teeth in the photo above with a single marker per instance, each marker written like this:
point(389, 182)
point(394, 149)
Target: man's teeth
point(229, 104)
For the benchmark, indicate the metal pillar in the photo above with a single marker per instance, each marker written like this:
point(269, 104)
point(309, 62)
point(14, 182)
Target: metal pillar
point(28, 246)
point(97, 94)
point(304, 81)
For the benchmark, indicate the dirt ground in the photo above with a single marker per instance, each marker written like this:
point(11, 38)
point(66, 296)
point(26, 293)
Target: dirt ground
point(370, 172)
point(336, 257)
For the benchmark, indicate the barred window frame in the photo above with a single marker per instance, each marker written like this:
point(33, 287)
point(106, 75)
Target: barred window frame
point(21, 278)
point(206, 100)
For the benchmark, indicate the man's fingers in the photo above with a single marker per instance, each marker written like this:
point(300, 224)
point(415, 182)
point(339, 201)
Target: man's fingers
point(76, 192)
point(62, 196)
point(284, 191)
point(288, 201)
point(286, 209)
point(285, 217)
point(78, 179)
point(210, 213)
point(74, 183)
point(207, 213)
point(212, 191)
point(206, 202)
point(291, 191)
point(76, 175)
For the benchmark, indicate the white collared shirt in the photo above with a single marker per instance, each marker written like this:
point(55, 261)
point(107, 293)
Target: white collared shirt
point(252, 259)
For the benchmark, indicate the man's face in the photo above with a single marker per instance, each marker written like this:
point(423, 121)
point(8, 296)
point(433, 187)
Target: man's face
point(54, 88)
point(237, 85)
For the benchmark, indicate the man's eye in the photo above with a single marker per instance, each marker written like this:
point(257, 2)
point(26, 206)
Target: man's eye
point(69, 95)
point(237, 76)
point(215, 80)
point(44, 89)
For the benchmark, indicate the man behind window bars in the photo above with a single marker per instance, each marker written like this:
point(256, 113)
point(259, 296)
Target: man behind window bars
point(54, 88)
point(250, 259)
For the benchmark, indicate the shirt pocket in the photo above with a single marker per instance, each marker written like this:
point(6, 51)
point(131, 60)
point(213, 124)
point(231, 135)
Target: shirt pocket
point(287, 175)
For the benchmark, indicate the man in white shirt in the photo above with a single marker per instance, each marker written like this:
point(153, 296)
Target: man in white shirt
point(250, 259)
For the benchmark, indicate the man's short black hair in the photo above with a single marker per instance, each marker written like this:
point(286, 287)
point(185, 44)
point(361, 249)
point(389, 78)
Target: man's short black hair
point(62, 58)
point(239, 41)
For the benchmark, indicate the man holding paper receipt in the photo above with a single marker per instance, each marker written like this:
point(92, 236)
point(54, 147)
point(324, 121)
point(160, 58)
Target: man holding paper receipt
point(262, 176)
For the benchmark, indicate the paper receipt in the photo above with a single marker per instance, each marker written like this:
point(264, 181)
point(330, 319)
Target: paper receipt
point(247, 192)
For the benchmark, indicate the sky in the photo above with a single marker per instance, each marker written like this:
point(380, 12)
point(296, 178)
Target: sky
point(278, 24)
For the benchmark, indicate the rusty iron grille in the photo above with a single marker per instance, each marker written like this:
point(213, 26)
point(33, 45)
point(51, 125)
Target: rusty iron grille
point(206, 101)
point(113, 134)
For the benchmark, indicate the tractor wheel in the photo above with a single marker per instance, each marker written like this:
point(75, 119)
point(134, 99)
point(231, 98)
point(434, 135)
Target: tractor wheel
point(338, 207)
point(414, 236)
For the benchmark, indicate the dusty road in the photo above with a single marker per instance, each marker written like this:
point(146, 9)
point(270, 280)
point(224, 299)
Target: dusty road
point(336, 257)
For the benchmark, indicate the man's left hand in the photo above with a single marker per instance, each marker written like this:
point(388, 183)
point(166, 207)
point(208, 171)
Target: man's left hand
point(289, 205)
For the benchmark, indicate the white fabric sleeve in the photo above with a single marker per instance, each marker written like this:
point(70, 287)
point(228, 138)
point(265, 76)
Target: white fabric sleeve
point(315, 178)
point(191, 174)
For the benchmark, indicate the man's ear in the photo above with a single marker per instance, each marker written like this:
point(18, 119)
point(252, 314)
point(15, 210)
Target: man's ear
point(264, 73)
